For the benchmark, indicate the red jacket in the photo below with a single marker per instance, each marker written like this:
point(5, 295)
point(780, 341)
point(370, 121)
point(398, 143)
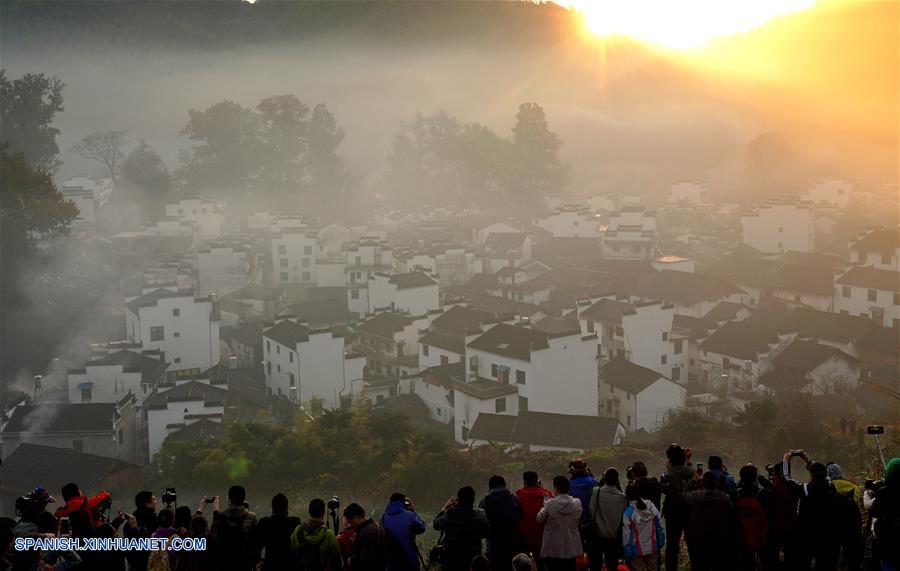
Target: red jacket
point(531, 498)
point(85, 504)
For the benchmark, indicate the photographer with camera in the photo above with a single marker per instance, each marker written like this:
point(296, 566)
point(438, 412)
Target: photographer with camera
point(32, 512)
point(462, 527)
point(273, 535)
point(646, 487)
point(402, 524)
point(677, 479)
point(141, 524)
point(233, 533)
point(369, 551)
point(313, 545)
point(885, 513)
point(532, 496)
point(84, 514)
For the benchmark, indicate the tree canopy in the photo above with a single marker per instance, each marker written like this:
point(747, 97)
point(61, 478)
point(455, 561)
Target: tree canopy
point(28, 106)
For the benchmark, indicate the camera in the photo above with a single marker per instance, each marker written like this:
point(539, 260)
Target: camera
point(873, 485)
point(65, 527)
point(169, 497)
point(334, 504)
point(209, 499)
point(875, 430)
point(699, 466)
point(28, 506)
point(629, 473)
point(798, 452)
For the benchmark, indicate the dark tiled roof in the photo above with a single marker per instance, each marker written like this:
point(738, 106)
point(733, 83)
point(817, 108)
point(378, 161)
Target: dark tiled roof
point(150, 368)
point(804, 279)
point(546, 429)
point(483, 389)
point(248, 333)
point(288, 333)
point(189, 391)
point(511, 341)
point(384, 324)
point(556, 325)
point(497, 306)
point(459, 319)
point(723, 311)
point(627, 376)
point(740, 339)
point(479, 283)
point(784, 379)
point(698, 328)
point(325, 312)
point(501, 243)
point(813, 260)
point(879, 241)
point(754, 272)
point(812, 324)
point(684, 287)
point(871, 278)
point(152, 297)
point(445, 375)
point(254, 291)
point(807, 355)
point(32, 465)
point(59, 417)
point(199, 430)
point(880, 345)
point(455, 343)
point(411, 280)
point(608, 310)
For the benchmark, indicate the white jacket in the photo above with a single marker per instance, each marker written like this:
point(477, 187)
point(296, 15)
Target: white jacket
point(560, 516)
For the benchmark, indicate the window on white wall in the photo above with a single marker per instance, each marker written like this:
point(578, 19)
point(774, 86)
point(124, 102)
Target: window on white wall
point(500, 405)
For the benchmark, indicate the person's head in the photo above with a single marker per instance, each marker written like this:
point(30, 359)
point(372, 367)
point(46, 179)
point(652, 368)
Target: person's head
point(611, 478)
point(465, 497)
point(835, 472)
point(818, 473)
point(317, 508)
point(279, 504)
point(398, 497)
point(675, 455)
point(237, 495)
point(578, 467)
point(41, 497)
point(748, 474)
point(355, 514)
point(480, 563)
point(714, 463)
point(639, 470)
point(144, 499)
point(710, 482)
point(777, 472)
point(633, 495)
point(523, 562)
point(496, 481)
point(561, 485)
point(71, 490)
point(166, 517)
point(182, 517)
point(530, 478)
point(199, 526)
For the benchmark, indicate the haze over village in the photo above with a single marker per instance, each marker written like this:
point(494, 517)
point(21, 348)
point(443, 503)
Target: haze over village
point(506, 253)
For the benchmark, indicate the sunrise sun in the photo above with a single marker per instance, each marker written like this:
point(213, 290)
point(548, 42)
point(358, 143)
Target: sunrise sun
point(680, 25)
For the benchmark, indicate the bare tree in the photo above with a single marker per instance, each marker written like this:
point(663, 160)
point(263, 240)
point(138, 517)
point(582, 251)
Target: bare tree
point(105, 148)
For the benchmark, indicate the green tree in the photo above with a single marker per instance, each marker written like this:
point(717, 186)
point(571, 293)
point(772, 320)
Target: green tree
point(755, 422)
point(33, 210)
point(328, 176)
point(105, 148)
point(535, 169)
point(284, 123)
point(28, 106)
point(145, 171)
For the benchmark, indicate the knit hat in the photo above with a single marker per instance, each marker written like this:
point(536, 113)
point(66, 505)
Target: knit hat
point(42, 494)
point(835, 472)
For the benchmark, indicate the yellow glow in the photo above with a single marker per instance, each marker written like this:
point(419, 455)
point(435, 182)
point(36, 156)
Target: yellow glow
point(679, 24)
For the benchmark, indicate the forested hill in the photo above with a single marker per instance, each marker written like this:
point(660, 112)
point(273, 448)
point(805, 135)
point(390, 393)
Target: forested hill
point(234, 23)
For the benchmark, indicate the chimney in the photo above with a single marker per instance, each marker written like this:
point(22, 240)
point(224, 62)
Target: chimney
point(232, 363)
point(38, 387)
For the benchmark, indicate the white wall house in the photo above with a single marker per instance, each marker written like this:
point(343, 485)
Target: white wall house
point(686, 192)
point(780, 226)
point(363, 259)
point(171, 408)
point(303, 364)
point(571, 222)
point(830, 192)
point(331, 239)
point(294, 256)
point(502, 249)
point(108, 378)
point(630, 235)
point(738, 354)
point(184, 328)
point(638, 397)
point(208, 215)
point(638, 332)
point(869, 292)
point(223, 267)
point(390, 341)
point(481, 235)
point(449, 264)
point(412, 292)
point(89, 196)
point(878, 248)
point(445, 341)
point(809, 367)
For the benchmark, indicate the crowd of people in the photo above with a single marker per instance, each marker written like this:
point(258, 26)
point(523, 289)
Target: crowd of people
point(772, 520)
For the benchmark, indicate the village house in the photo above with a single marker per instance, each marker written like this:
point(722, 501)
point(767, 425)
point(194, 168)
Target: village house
point(445, 340)
point(363, 259)
point(207, 215)
point(184, 328)
point(808, 367)
point(107, 378)
point(412, 292)
point(638, 397)
point(686, 192)
point(691, 294)
point(89, 196)
point(506, 249)
point(224, 267)
point(174, 406)
point(450, 264)
point(869, 292)
point(482, 234)
point(570, 222)
point(390, 341)
point(630, 234)
point(294, 256)
point(829, 192)
point(738, 353)
point(878, 248)
point(779, 226)
point(839, 330)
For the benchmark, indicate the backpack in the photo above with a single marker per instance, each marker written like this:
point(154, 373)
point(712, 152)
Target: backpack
point(159, 560)
point(752, 523)
point(308, 555)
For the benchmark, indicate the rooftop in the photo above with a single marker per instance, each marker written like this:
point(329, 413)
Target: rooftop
point(807, 355)
point(384, 324)
point(62, 417)
point(151, 298)
point(685, 288)
point(512, 341)
point(288, 333)
point(608, 311)
point(189, 391)
point(150, 368)
point(198, 430)
point(501, 243)
point(812, 324)
point(411, 280)
point(324, 312)
point(57, 467)
point(878, 241)
point(740, 339)
point(629, 377)
point(871, 278)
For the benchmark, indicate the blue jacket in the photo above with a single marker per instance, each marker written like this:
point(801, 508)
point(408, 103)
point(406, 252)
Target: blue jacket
point(581, 487)
point(730, 485)
point(402, 525)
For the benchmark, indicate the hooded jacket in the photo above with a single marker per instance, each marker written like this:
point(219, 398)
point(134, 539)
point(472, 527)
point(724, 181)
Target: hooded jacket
point(710, 519)
point(642, 530)
point(677, 481)
point(581, 487)
point(607, 505)
point(316, 532)
point(649, 489)
point(504, 513)
point(561, 517)
point(532, 498)
point(463, 528)
point(402, 524)
point(274, 536)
